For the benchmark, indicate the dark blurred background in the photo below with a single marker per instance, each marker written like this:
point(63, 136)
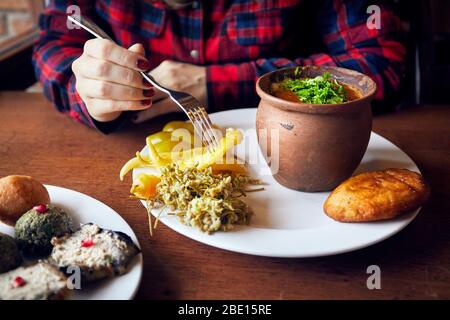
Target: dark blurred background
point(427, 23)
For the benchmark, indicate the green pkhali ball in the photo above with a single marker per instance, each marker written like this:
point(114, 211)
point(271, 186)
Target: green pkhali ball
point(36, 228)
point(10, 257)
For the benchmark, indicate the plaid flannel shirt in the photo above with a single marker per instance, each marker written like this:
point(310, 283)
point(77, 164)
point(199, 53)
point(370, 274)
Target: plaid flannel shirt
point(236, 40)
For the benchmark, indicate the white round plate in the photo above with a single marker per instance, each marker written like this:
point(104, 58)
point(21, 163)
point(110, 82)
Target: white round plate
point(84, 209)
point(292, 224)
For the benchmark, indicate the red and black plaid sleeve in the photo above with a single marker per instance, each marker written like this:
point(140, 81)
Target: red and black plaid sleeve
point(56, 49)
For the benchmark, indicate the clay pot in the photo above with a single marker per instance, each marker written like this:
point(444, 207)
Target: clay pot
point(319, 145)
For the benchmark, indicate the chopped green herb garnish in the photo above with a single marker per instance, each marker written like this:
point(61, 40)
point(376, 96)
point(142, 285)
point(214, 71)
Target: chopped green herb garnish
point(318, 90)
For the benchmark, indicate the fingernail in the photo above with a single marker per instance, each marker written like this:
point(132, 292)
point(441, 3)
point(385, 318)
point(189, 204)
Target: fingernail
point(146, 102)
point(146, 83)
point(148, 93)
point(142, 64)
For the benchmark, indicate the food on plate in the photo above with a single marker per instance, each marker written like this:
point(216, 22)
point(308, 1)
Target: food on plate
point(202, 187)
point(36, 228)
point(377, 195)
point(10, 257)
point(175, 136)
point(170, 137)
point(199, 157)
point(99, 253)
point(18, 194)
point(102, 253)
point(200, 198)
point(40, 281)
point(174, 125)
point(145, 186)
point(319, 90)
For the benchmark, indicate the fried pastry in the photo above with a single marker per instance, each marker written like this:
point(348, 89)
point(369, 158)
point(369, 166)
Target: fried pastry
point(377, 195)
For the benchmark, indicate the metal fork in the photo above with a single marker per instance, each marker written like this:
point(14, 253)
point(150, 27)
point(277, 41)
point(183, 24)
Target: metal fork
point(192, 108)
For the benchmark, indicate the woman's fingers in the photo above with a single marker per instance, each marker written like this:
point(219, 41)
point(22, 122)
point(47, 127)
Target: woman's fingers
point(101, 105)
point(109, 90)
point(138, 48)
point(107, 50)
point(107, 110)
point(108, 79)
point(159, 95)
point(158, 108)
point(93, 68)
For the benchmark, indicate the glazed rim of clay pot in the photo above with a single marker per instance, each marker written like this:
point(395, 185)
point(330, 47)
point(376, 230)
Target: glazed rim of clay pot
point(364, 84)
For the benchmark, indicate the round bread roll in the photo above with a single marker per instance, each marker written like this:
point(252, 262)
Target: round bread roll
point(18, 194)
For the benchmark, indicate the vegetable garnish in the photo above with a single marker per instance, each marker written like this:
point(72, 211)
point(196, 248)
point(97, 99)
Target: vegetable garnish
point(18, 282)
point(318, 90)
point(87, 243)
point(41, 208)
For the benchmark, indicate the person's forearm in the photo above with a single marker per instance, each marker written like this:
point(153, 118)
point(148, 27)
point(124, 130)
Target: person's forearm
point(53, 55)
point(53, 70)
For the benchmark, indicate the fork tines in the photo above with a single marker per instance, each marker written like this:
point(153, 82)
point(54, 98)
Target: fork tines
point(203, 127)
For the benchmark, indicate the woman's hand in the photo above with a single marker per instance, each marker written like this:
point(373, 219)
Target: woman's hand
point(108, 79)
point(176, 76)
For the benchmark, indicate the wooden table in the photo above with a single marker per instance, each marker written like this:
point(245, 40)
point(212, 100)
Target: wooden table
point(38, 141)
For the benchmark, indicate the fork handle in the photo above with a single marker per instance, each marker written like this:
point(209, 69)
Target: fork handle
point(91, 27)
point(152, 80)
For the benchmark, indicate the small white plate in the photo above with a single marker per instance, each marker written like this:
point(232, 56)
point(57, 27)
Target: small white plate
point(84, 209)
point(290, 223)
